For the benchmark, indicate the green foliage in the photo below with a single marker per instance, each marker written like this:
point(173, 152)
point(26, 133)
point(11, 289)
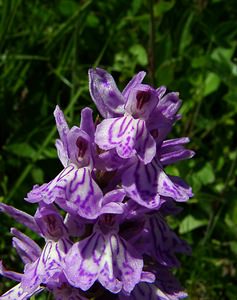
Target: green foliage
point(46, 49)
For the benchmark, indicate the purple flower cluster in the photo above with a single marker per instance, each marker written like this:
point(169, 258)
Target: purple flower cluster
point(103, 216)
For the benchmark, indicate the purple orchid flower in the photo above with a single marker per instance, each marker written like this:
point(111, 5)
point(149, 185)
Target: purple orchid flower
point(125, 127)
point(136, 119)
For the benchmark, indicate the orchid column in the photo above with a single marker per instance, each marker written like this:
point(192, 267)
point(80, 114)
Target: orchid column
point(103, 217)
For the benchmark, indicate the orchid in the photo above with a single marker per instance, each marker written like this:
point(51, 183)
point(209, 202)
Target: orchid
point(102, 218)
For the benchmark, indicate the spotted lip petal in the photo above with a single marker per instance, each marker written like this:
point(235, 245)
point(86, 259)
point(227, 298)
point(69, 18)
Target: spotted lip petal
point(105, 94)
point(106, 258)
point(128, 136)
point(48, 267)
point(146, 183)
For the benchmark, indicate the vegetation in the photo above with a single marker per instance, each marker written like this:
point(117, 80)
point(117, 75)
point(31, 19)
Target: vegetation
point(46, 49)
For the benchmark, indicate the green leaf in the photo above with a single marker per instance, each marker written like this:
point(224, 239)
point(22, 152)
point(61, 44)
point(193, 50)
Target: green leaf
point(67, 7)
point(21, 150)
point(140, 54)
point(211, 84)
point(190, 223)
point(233, 247)
point(38, 175)
point(206, 174)
point(162, 7)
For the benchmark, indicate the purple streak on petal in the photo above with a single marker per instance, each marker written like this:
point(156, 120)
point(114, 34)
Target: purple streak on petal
point(140, 183)
point(20, 216)
point(136, 80)
point(105, 94)
point(160, 91)
point(17, 293)
point(9, 274)
point(83, 260)
point(48, 267)
point(27, 249)
point(62, 125)
point(117, 133)
point(145, 144)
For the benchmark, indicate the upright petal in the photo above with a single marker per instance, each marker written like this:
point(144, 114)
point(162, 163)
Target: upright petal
point(62, 125)
point(50, 222)
point(105, 94)
point(136, 80)
point(87, 123)
point(62, 153)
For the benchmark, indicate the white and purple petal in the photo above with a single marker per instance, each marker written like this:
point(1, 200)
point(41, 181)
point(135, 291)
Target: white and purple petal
point(146, 183)
point(106, 258)
point(47, 268)
point(141, 101)
point(119, 133)
point(18, 293)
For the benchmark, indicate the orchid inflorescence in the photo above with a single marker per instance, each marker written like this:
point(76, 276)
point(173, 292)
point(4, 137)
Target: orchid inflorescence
point(103, 216)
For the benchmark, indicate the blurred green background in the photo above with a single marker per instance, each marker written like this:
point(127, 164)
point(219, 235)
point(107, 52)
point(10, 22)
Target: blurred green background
point(46, 48)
